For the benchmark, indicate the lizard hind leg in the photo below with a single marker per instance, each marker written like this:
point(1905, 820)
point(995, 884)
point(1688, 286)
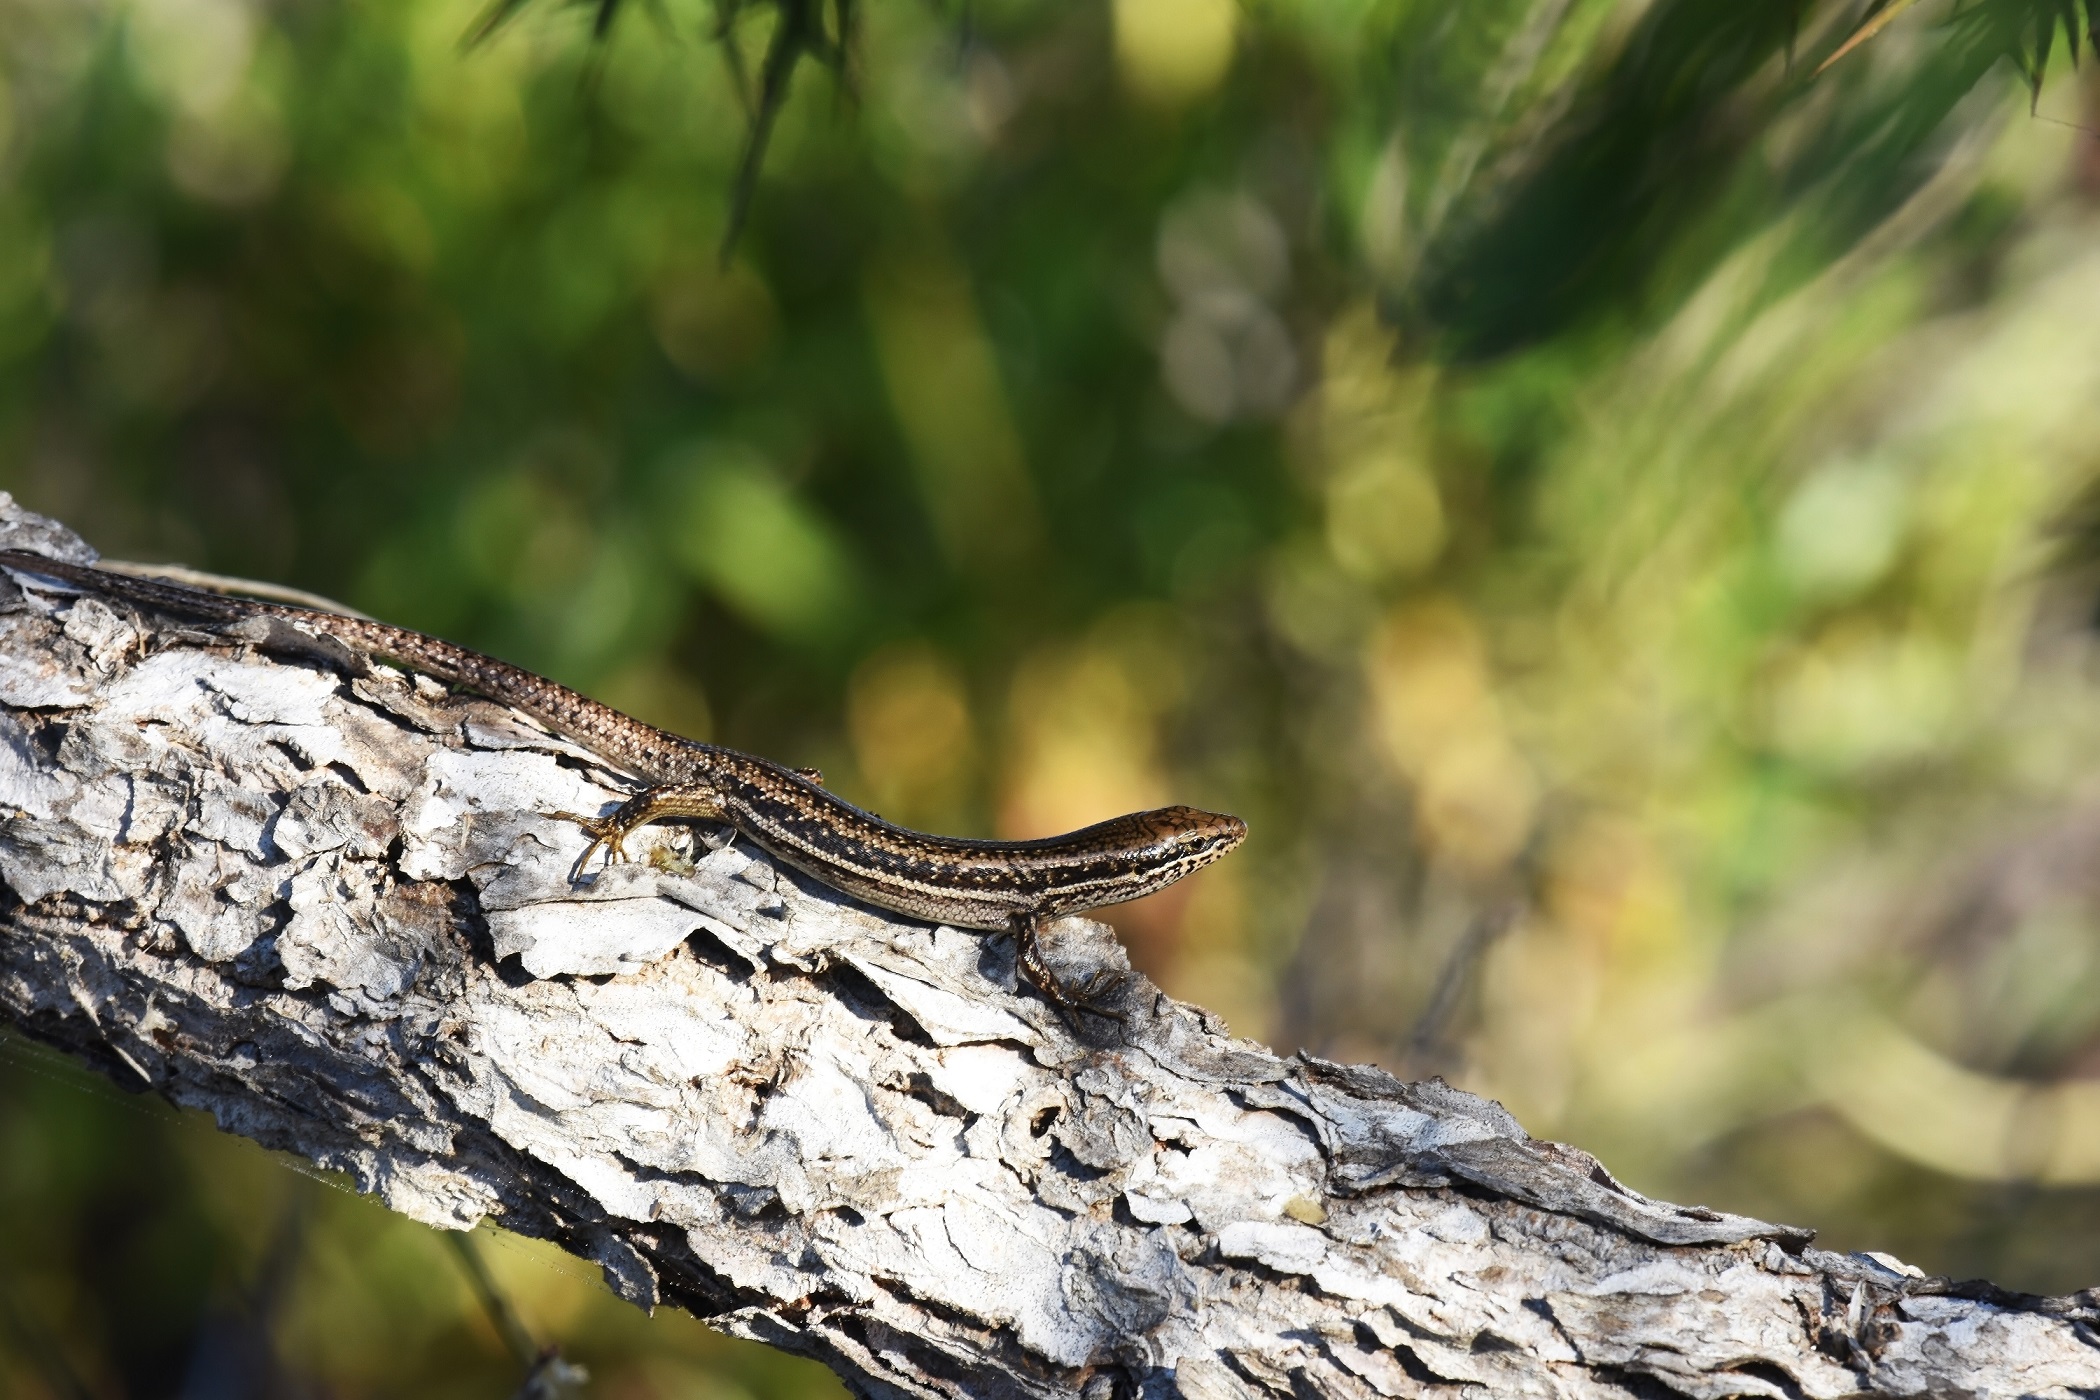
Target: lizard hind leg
point(651, 804)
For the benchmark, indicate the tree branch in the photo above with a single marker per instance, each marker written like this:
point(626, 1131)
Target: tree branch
point(335, 907)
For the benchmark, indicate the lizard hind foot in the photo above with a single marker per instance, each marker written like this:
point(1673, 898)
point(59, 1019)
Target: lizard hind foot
point(649, 805)
point(607, 833)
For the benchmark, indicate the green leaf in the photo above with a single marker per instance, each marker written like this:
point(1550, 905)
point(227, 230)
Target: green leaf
point(1877, 19)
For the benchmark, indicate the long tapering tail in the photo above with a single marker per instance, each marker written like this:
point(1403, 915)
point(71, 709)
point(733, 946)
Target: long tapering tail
point(621, 739)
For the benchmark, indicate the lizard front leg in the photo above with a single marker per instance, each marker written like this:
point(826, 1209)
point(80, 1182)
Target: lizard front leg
point(1028, 955)
point(649, 805)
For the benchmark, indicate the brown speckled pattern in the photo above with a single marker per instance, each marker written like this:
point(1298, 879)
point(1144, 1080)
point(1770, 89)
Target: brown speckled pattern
point(971, 884)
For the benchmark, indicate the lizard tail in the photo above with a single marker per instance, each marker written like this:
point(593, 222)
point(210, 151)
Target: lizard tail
point(620, 738)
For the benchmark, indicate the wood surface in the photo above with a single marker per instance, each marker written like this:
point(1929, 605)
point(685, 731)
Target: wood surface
point(333, 906)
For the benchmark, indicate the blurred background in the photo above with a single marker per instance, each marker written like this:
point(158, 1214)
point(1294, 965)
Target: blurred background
point(1616, 510)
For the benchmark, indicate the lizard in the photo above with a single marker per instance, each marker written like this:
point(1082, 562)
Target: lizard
point(999, 886)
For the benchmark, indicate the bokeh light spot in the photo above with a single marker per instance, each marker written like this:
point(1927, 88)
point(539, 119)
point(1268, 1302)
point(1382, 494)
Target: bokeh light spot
point(1171, 52)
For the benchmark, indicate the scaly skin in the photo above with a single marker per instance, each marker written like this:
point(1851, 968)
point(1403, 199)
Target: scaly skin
point(1001, 885)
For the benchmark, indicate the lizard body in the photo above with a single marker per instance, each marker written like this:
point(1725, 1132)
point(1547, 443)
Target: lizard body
point(978, 884)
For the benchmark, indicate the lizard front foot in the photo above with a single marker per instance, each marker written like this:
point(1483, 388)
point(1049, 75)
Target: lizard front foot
point(1071, 1002)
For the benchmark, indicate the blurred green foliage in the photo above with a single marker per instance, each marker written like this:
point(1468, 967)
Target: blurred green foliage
point(1550, 456)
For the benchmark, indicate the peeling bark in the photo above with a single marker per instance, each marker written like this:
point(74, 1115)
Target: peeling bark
point(334, 906)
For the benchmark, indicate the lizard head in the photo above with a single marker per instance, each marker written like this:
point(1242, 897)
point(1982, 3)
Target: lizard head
point(1130, 856)
point(1194, 836)
point(1167, 843)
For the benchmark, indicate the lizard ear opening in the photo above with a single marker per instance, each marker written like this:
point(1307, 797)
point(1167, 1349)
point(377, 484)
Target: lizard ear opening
point(815, 775)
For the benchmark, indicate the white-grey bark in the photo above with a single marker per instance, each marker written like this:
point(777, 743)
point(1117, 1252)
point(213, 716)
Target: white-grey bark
point(335, 907)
